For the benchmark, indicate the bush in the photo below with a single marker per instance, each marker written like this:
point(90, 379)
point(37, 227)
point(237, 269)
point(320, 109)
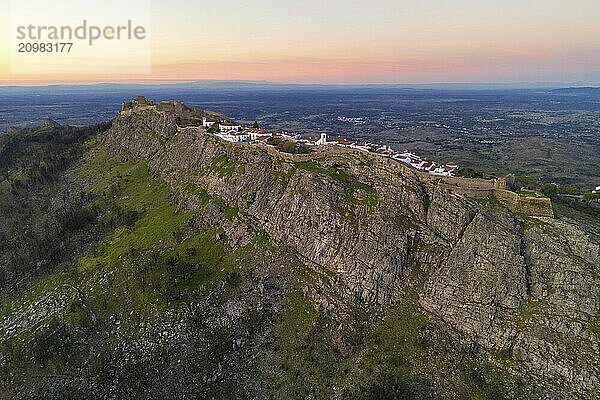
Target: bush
point(526, 182)
point(589, 196)
point(550, 189)
point(574, 190)
point(470, 172)
point(289, 146)
point(215, 128)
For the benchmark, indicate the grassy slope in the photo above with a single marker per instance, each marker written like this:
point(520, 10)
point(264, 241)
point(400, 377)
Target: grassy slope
point(150, 264)
point(400, 355)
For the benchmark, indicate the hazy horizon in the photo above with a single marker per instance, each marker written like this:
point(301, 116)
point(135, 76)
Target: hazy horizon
point(266, 83)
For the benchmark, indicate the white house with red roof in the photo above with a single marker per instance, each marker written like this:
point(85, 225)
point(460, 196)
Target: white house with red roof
point(363, 146)
point(340, 141)
point(256, 133)
point(385, 151)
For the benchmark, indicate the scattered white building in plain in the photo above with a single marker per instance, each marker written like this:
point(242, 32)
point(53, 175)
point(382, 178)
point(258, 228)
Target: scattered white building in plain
point(357, 121)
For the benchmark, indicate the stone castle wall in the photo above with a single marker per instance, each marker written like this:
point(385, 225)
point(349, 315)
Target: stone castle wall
point(475, 193)
point(472, 183)
point(530, 206)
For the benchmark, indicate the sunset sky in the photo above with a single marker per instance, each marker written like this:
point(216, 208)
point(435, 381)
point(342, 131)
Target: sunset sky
point(335, 41)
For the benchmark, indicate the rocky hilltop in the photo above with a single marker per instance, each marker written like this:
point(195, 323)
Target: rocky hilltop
point(235, 271)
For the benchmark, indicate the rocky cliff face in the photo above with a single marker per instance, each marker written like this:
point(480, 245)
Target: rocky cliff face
point(524, 288)
point(372, 243)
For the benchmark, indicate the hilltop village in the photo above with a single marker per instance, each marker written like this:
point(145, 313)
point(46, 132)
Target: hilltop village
point(232, 131)
point(236, 133)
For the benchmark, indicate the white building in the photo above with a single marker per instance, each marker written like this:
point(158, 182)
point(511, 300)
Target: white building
point(305, 142)
point(597, 190)
point(207, 123)
point(385, 151)
point(322, 140)
point(363, 146)
point(439, 170)
point(340, 141)
point(234, 137)
point(229, 126)
point(256, 133)
point(408, 158)
point(240, 137)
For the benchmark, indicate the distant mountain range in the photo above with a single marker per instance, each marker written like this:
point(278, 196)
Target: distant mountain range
point(266, 85)
point(578, 90)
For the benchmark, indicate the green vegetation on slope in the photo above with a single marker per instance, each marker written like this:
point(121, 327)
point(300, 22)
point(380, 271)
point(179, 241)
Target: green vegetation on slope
point(36, 206)
point(305, 362)
point(402, 355)
point(356, 192)
point(144, 269)
point(225, 167)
